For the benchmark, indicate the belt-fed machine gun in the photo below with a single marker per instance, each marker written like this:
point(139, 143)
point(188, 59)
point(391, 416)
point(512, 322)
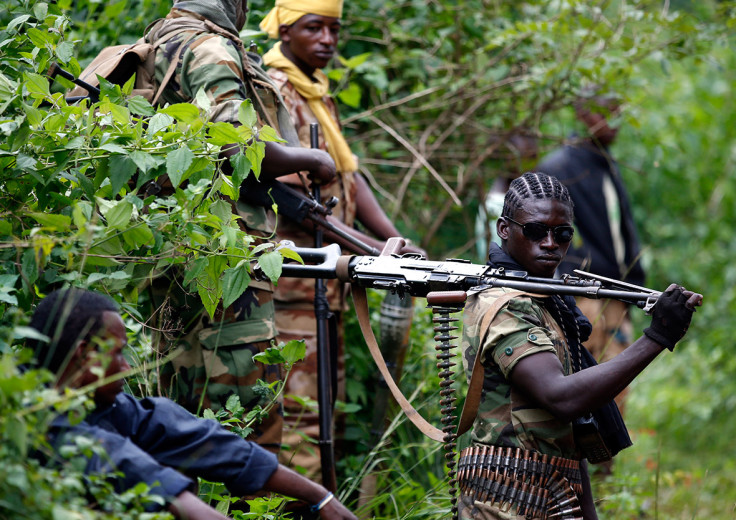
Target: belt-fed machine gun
point(413, 275)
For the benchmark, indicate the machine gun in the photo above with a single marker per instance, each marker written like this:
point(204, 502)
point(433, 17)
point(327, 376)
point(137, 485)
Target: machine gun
point(413, 275)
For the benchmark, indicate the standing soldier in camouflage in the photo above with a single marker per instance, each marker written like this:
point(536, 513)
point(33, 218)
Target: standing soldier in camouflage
point(308, 31)
point(526, 459)
point(216, 358)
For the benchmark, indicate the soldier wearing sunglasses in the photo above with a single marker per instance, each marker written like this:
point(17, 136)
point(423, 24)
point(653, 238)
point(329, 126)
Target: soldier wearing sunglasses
point(539, 381)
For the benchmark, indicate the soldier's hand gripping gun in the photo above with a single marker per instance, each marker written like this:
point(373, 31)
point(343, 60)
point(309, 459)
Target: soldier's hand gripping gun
point(299, 207)
point(413, 275)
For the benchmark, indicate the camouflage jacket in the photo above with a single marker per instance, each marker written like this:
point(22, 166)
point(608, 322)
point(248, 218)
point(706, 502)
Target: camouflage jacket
point(214, 60)
point(295, 292)
point(506, 417)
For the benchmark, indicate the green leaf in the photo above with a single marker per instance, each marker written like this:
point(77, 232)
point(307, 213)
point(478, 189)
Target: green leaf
point(122, 169)
point(268, 134)
point(75, 143)
point(53, 220)
point(255, 153)
point(138, 236)
point(234, 283)
point(17, 21)
point(36, 84)
point(29, 267)
point(271, 263)
point(194, 269)
point(65, 51)
point(157, 123)
point(140, 106)
point(6, 228)
point(177, 164)
point(351, 95)
point(233, 404)
point(209, 287)
point(39, 38)
point(202, 100)
point(118, 216)
point(40, 10)
point(22, 332)
point(95, 277)
point(221, 134)
point(222, 210)
point(241, 168)
point(183, 112)
point(114, 148)
point(145, 161)
point(109, 247)
point(225, 185)
point(17, 433)
point(294, 351)
point(120, 114)
point(247, 114)
point(270, 356)
point(6, 297)
point(290, 253)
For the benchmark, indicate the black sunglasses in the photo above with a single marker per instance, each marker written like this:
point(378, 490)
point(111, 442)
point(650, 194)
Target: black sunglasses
point(537, 231)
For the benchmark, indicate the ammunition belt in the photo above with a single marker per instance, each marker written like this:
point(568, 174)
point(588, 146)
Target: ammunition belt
point(540, 486)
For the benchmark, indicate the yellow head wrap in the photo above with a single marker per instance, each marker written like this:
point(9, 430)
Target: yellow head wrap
point(289, 11)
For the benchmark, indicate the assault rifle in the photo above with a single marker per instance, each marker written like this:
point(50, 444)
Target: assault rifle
point(413, 275)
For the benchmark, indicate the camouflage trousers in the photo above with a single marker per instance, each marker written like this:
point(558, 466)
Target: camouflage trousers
point(214, 358)
point(301, 424)
point(612, 332)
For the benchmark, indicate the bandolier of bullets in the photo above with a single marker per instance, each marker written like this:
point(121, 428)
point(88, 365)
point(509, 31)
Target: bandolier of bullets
point(540, 486)
point(443, 337)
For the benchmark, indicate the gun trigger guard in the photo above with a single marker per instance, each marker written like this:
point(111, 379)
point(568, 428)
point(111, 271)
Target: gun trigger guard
point(649, 305)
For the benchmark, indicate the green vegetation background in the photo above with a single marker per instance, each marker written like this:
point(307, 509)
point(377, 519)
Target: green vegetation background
point(431, 91)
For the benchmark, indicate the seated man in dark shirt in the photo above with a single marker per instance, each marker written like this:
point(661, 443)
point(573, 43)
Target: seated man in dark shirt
point(151, 440)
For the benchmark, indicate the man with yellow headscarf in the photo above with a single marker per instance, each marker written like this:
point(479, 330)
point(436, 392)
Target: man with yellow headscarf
point(308, 31)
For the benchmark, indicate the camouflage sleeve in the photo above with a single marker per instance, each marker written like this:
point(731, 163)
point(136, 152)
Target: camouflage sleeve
point(516, 332)
point(212, 63)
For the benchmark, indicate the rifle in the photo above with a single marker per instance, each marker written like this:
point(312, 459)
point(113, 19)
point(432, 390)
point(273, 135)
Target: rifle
point(298, 207)
point(411, 274)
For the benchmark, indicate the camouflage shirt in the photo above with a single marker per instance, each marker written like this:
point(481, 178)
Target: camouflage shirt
point(294, 291)
point(505, 416)
point(217, 64)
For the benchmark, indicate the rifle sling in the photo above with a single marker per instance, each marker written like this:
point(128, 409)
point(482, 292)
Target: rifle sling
point(475, 387)
point(472, 401)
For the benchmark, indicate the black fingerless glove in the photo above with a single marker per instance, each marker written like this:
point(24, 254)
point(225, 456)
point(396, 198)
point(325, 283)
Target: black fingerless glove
point(670, 318)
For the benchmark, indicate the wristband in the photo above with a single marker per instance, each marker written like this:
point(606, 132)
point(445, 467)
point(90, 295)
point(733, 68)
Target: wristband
point(322, 503)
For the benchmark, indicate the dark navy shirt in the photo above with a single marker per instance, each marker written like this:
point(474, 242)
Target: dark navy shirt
point(583, 168)
point(156, 441)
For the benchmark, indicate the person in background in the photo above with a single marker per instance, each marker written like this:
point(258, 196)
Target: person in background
point(151, 440)
point(608, 244)
point(308, 32)
point(201, 40)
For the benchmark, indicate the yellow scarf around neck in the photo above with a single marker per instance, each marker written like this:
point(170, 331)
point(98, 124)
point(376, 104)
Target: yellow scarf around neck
point(313, 92)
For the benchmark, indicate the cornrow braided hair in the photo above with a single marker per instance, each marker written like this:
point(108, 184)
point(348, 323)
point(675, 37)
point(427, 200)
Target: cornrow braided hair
point(534, 185)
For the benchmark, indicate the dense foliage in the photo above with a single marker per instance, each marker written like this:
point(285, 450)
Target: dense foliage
point(431, 93)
